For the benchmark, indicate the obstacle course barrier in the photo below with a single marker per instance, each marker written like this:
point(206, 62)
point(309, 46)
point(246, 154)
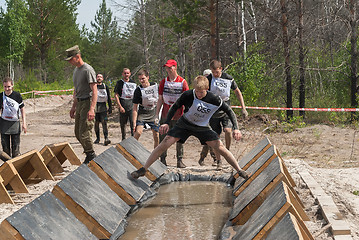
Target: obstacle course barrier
point(89, 194)
point(100, 195)
point(91, 201)
point(137, 154)
point(114, 170)
point(44, 218)
point(33, 167)
point(278, 203)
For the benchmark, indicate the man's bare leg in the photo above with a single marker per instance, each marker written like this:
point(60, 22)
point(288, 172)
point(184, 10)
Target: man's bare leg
point(228, 137)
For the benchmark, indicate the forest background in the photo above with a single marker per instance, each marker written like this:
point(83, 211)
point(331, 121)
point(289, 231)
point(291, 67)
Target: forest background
point(282, 53)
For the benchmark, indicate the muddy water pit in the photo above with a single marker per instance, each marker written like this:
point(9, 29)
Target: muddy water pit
point(182, 210)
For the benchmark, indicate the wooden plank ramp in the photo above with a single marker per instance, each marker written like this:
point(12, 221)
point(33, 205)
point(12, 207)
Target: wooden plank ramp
point(278, 203)
point(44, 218)
point(255, 190)
point(114, 169)
point(92, 201)
point(137, 155)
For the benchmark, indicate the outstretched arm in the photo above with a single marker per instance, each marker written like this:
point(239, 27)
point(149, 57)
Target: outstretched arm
point(241, 100)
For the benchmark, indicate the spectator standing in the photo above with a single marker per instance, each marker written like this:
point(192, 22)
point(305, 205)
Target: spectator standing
point(145, 101)
point(124, 90)
point(103, 97)
point(12, 107)
point(85, 99)
point(170, 89)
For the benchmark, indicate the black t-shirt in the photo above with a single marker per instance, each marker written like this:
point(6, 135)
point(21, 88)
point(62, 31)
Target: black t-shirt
point(103, 92)
point(126, 103)
point(11, 127)
point(145, 113)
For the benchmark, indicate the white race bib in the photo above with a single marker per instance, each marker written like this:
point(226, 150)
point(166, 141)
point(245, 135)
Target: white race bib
point(200, 112)
point(172, 91)
point(221, 87)
point(149, 97)
point(10, 111)
point(128, 89)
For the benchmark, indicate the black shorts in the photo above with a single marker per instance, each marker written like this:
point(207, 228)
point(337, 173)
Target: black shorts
point(183, 134)
point(101, 116)
point(217, 124)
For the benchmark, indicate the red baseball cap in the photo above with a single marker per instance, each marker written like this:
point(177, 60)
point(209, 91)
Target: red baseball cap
point(170, 63)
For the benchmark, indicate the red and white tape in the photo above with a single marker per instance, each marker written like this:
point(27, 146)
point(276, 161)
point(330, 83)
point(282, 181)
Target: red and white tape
point(305, 109)
point(50, 91)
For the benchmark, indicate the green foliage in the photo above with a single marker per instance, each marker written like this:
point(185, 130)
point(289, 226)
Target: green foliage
point(103, 54)
point(31, 83)
point(14, 30)
point(285, 126)
point(186, 17)
point(249, 73)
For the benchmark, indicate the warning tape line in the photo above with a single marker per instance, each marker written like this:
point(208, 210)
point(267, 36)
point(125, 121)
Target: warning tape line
point(44, 93)
point(50, 91)
point(52, 95)
point(305, 109)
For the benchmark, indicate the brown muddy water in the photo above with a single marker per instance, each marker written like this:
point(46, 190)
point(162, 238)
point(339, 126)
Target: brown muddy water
point(182, 210)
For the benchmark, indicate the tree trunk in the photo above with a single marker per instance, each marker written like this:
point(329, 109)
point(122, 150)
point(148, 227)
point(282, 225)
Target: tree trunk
point(288, 77)
point(213, 21)
point(181, 54)
point(353, 53)
point(144, 35)
point(301, 59)
point(238, 26)
point(244, 30)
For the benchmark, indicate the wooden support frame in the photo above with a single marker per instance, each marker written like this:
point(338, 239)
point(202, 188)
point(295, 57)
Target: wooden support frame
point(9, 175)
point(63, 151)
point(80, 213)
point(287, 178)
point(8, 232)
point(4, 195)
point(51, 161)
point(30, 162)
point(288, 207)
point(111, 183)
point(134, 162)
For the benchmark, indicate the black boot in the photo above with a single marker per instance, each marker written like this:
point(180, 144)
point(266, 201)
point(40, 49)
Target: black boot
point(180, 164)
point(89, 157)
point(139, 173)
point(163, 160)
point(107, 142)
point(97, 137)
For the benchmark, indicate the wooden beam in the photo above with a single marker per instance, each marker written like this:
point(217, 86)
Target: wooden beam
point(134, 161)
point(93, 226)
point(111, 183)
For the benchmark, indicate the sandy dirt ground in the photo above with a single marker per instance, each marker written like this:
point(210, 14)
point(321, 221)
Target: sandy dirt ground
point(329, 153)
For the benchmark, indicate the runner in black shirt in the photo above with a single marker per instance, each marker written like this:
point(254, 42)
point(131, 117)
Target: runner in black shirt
point(199, 105)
